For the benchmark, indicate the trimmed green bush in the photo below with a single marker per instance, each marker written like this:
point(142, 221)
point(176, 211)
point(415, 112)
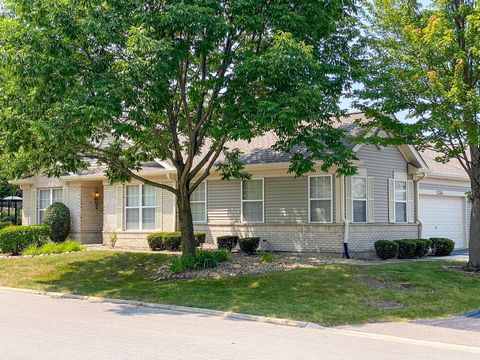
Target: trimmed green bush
point(172, 241)
point(200, 239)
point(57, 216)
point(227, 242)
point(442, 246)
point(51, 248)
point(406, 248)
point(155, 241)
point(249, 245)
point(386, 249)
point(201, 259)
point(427, 245)
point(420, 248)
point(16, 239)
point(4, 224)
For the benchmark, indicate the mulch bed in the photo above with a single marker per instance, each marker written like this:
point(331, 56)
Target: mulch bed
point(242, 264)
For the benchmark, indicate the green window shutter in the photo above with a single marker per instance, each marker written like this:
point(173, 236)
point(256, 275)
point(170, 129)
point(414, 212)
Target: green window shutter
point(158, 209)
point(348, 199)
point(391, 200)
point(65, 195)
point(370, 199)
point(119, 206)
point(410, 202)
point(34, 208)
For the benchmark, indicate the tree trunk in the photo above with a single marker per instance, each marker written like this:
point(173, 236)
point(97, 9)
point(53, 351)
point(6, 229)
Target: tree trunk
point(186, 222)
point(474, 244)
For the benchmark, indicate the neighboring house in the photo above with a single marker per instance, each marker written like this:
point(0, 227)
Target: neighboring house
point(311, 213)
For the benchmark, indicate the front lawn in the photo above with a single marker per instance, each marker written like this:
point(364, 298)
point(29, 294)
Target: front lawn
point(329, 295)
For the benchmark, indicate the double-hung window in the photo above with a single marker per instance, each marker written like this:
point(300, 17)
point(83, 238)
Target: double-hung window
point(140, 203)
point(359, 199)
point(198, 203)
point(47, 197)
point(252, 201)
point(320, 199)
point(400, 201)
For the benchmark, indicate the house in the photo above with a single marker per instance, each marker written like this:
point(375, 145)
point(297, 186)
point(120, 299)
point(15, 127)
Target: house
point(396, 194)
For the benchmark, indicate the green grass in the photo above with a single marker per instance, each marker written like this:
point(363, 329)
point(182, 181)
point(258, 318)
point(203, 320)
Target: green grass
point(51, 248)
point(330, 295)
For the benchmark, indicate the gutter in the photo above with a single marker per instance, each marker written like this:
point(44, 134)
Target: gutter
point(417, 203)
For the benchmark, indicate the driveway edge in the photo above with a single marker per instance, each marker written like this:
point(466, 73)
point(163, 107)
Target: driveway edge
point(177, 308)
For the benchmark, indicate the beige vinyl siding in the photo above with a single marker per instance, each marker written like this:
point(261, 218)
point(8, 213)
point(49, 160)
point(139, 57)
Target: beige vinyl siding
point(381, 163)
point(223, 202)
point(168, 210)
point(286, 200)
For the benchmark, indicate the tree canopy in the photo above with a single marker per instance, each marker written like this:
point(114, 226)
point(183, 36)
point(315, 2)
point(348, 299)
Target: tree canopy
point(175, 81)
point(425, 62)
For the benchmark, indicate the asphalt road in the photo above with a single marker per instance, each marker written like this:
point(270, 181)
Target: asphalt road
point(40, 327)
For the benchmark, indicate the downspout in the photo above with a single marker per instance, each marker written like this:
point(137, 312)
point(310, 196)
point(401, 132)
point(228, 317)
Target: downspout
point(417, 205)
point(346, 224)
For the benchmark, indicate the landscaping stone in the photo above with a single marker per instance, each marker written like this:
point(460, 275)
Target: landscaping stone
point(242, 264)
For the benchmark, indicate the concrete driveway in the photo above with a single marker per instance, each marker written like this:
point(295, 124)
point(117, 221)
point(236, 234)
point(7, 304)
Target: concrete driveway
point(40, 327)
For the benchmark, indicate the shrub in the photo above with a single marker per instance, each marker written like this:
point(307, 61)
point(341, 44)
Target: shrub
point(51, 248)
point(201, 259)
point(427, 245)
point(200, 239)
point(57, 216)
point(442, 246)
point(268, 258)
point(16, 239)
point(4, 224)
point(172, 241)
point(155, 241)
point(386, 249)
point(228, 242)
point(406, 248)
point(249, 245)
point(420, 248)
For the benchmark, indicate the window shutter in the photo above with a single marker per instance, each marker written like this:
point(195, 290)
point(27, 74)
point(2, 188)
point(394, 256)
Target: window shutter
point(410, 202)
point(370, 199)
point(348, 198)
point(119, 206)
point(65, 195)
point(339, 199)
point(158, 209)
point(391, 200)
point(33, 210)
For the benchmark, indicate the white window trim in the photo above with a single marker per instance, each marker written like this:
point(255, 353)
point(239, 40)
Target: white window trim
point(244, 201)
point(366, 200)
point(140, 207)
point(205, 220)
point(50, 190)
point(310, 199)
point(395, 201)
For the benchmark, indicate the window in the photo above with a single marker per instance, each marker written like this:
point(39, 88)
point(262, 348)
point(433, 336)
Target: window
point(198, 203)
point(400, 201)
point(47, 197)
point(252, 201)
point(140, 203)
point(320, 199)
point(359, 199)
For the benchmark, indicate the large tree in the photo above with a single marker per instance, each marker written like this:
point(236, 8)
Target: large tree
point(174, 81)
point(424, 61)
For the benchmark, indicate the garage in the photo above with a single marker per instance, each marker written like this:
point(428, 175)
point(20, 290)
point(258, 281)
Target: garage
point(444, 216)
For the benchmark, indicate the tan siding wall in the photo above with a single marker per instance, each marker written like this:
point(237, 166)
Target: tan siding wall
point(91, 217)
point(27, 206)
point(381, 164)
point(286, 200)
point(223, 202)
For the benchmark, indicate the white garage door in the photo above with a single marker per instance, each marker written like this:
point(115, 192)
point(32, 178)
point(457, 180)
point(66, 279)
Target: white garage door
point(443, 216)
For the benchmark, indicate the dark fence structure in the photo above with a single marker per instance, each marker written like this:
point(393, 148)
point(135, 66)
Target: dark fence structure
point(11, 209)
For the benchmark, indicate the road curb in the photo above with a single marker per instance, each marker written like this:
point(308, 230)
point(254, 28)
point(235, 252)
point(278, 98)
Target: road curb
point(176, 308)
